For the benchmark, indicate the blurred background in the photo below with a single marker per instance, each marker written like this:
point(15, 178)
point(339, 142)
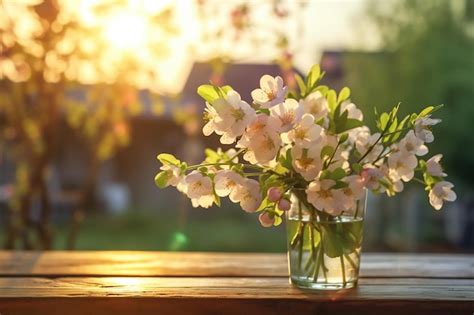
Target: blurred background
point(92, 90)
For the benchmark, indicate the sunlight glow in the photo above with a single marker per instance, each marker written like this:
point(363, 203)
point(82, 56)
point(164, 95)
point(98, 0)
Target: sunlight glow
point(125, 32)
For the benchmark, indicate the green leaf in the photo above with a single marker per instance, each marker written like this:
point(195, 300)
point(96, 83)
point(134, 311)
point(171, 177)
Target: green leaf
point(338, 174)
point(351, 236)
point(265, 204)
point(211, 156)
point(226, 89)
point(422, 164)
point(167, 159)
point(320, 121)
point(211, 93)
point(332, 242)
point(301, 85)
point(326, 174)
point(339, 185)
point(356, 167)
point(280, 169)
point(340, 121)
point(313, 77)
point(288, 160)
point(208, 93)
point(332, 100)
point(277, 221)
point(265, 111)
point(383, 121)
point(344, 137)
point(327, 150)
point(292, 95)
point(162, 178)
point(343, 95)
point(426, 111)
point(323, 89)
point(350, 123)
point(217, 200)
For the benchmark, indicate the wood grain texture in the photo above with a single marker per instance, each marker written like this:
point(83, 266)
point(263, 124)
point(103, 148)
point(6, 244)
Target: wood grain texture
point(248, 288)
point(96, 263)
point(215, 295)
point(219, 283)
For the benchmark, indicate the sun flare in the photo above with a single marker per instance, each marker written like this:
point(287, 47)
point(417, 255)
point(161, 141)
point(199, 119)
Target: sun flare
point(125, 32)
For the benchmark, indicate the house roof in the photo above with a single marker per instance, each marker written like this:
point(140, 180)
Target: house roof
point(243, 78)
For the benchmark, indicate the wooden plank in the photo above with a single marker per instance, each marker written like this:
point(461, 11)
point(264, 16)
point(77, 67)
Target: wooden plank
point(92, 263)
point(232, 287)
point(135, 263)
point(183, 295)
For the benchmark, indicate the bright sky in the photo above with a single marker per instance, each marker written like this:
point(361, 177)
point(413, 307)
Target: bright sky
point(322, 25)
point(335, 25)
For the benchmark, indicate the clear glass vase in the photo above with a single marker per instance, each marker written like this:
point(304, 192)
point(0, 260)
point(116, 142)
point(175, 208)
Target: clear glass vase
point(323, 250)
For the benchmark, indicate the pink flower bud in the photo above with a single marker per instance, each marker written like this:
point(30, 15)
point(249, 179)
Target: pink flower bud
point(274, 194)
point(284, 204)
point(266, 219)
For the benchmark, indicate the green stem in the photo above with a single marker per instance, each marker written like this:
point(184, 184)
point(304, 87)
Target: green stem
point(419, 181)
point(236, 154)
point(319, 259)
point(300, 250)
point(351, 262)
point(343, 267)
point(394, 132)
point(311, 257)
point(332, 156)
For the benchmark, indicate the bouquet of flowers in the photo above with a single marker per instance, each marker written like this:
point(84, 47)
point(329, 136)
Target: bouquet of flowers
point(308, 154)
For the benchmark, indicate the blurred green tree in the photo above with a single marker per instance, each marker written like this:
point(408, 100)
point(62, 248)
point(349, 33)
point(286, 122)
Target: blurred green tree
point(427, 58)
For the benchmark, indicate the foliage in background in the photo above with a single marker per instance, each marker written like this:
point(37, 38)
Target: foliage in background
point(52, 52)
point(45, 53)
point(426, 58)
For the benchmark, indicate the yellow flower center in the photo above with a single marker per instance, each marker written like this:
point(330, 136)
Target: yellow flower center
point(238, 113)
point(287, 118)
point(300, 133)
point(304, 162)
point(325, 193)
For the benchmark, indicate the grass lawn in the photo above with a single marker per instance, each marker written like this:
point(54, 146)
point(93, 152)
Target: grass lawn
point(210, 230)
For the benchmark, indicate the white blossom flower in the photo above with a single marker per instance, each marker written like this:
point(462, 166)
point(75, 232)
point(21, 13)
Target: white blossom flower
point(176, 178)
point(350, 195)
point(305, 133)
point(307, 161)
point(403, 165)
point(412, 145)
point(287, 113)
point(270, 93)
point(372, 176)
point(249, 196)
point(198, 188)
point(226, 184)
point(394, 182)
point(262, 124)
point(423, 128)
point(315, 104)
point(228, 117)
point(322, 197)
point(433, 167)
point(365, 141)
point(352, 110)
point(441, 191)
point(261, 140)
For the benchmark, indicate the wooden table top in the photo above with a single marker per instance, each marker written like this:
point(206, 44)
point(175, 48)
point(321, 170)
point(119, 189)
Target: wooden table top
point(98, 282)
